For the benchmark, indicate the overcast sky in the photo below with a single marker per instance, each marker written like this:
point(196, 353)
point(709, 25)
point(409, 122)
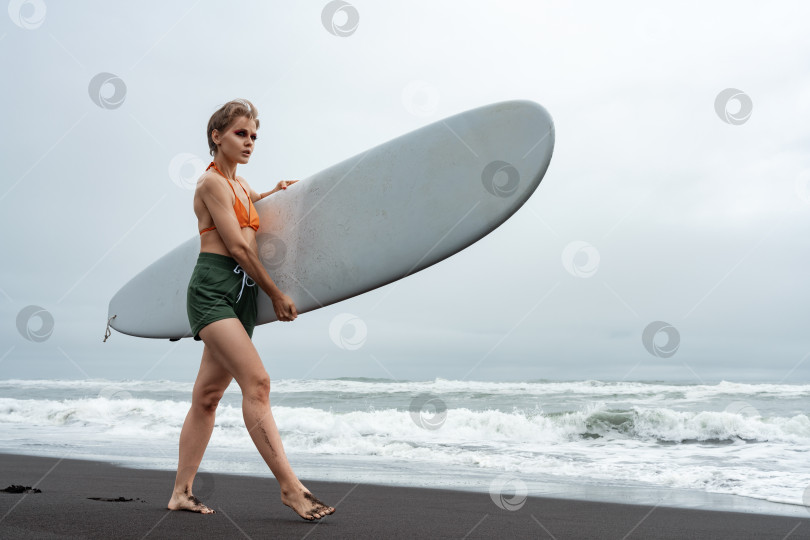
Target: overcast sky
point(679, 189)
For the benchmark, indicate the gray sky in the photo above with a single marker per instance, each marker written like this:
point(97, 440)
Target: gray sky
point(685, 211)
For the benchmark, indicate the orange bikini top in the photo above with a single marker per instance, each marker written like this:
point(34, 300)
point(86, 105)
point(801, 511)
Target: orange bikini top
point(247, 218)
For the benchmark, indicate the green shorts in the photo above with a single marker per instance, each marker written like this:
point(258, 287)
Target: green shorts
point(220, 289)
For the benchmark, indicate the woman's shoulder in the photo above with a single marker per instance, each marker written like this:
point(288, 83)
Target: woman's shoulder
point(211, 180)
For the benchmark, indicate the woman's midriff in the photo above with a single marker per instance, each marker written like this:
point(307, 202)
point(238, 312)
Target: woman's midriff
point(211, 242)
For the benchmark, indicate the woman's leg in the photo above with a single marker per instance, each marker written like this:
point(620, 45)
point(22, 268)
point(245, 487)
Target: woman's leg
point(212, 380)
point(232, 348)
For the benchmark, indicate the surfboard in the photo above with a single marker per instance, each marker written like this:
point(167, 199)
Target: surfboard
point(375, 218)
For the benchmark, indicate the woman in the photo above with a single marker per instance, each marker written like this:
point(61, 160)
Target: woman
point(221, 303)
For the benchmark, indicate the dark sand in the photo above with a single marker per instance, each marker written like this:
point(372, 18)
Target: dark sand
point(249, 507)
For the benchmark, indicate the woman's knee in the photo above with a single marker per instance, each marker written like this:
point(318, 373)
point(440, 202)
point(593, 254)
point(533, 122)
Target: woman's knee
point(257, 388)
point(208, 399)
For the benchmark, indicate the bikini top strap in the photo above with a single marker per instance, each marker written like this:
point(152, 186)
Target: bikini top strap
point(250, 202)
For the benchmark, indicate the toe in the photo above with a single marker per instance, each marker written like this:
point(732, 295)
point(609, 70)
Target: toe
point(324, 512)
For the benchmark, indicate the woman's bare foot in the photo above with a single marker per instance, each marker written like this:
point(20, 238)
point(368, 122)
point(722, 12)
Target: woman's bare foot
point(186, 501)
point(305, 503)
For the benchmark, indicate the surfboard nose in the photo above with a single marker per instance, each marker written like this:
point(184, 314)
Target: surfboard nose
point(514, 145)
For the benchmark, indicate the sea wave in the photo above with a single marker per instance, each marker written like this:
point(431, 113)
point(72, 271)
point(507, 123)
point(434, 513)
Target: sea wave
point(138, 417)
point(617, 433)
point(441, 386)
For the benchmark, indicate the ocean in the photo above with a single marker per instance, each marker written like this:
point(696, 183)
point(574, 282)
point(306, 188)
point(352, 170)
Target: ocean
point(634, 441)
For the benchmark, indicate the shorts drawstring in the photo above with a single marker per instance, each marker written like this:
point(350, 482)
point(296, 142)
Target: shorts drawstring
point(246, 280)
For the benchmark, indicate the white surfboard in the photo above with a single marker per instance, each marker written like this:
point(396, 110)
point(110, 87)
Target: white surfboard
point(372, 219)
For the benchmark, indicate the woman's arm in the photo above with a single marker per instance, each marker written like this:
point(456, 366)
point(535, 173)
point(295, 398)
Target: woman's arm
point(217, 199)
point(255, 196)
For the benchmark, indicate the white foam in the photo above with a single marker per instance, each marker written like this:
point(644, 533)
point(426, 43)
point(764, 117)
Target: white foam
point(616, 433)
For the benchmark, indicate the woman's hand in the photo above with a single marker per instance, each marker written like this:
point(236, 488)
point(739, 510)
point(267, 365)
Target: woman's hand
point(282, 185)
point(284, 307)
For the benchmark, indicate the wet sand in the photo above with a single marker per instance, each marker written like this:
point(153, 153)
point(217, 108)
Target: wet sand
point(81, 499)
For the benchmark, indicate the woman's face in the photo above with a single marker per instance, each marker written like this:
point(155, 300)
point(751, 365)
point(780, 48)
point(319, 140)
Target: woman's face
point(237, 140)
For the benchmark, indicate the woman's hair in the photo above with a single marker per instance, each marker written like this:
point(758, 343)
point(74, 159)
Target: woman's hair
point(226, 115)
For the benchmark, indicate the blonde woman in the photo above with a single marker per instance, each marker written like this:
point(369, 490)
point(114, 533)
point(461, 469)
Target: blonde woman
point(221, 304)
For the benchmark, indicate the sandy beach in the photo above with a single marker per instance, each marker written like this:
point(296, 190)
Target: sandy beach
point(72, 505)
